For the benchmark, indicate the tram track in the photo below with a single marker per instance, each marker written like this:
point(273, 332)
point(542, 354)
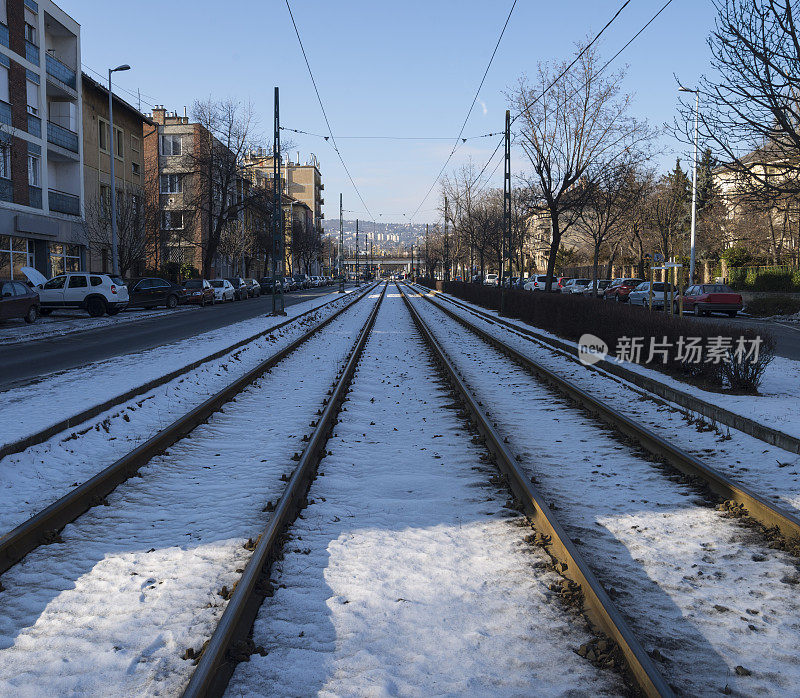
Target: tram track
point(169, 545)
point(680, 569)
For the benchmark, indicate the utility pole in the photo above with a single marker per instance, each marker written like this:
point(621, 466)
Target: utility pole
point(278, 307)
point(341, 247)
point(506, 215)
point(427, 257)
point(358, 270)
point(371, 259)
point(446, 245)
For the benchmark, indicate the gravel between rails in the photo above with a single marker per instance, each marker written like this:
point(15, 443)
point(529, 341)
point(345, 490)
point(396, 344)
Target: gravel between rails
point(111, 610)
point(406, 575)
point(703, 593)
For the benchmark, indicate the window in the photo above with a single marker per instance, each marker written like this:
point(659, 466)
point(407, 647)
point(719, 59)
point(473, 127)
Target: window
point(119, 140)
point(64, 258)
point(134, 144)
point(136, 169)
point(33, 98)
point(77, 282)
point(96, 280)
point(56, 283)
point(7, 290)
point(172, 220)
point(5, 160)
point(102, 135)
point(34, 170)
point(20, 288)
point(171, 145)
point(4, 84)
point(15, 253)
point(171, 184)
point(30, 34)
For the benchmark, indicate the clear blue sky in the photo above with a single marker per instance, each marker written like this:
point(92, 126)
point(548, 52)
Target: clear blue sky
point(399, 68)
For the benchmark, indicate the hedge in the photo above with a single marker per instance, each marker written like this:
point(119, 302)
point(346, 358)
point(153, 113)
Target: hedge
point(778, 279)
point(570, 317)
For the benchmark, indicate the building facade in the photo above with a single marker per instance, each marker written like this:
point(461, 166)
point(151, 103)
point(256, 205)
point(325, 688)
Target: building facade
point(41, 140)
point(129, 174)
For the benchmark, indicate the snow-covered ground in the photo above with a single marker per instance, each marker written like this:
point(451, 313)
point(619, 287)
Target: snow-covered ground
point(777, 406)
point(770, 471)
point(703, 590)
point(111, 610)
point(405, 574)
point(63, 322)
point(34, 478)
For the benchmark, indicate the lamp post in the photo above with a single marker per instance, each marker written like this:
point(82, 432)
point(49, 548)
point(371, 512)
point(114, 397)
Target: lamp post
point(694, 178)
point(114, 250)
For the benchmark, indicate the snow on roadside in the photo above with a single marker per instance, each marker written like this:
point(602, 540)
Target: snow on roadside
point(41, 474)
point(111, 610)
point(776, 406)
point(63, 322)
point(406, 576)
point(770, 471)
point(703, 590)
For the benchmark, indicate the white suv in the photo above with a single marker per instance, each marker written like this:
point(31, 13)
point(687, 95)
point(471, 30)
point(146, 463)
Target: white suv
point(95, 293)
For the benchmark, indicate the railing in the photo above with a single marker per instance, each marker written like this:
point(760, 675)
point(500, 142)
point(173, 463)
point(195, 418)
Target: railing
point(34, 125)
point(58, 135)
point(60, 71)
point(61, 202)
point(34, 196)
point(5, 113)
point(5, 37)
point(6, 190)
point(32, 52)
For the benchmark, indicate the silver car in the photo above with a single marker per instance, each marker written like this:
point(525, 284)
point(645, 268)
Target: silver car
point(641, 294)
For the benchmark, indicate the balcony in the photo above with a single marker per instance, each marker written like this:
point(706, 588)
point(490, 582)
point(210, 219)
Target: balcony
point(61, 202)
point(34, 196)
point(58, 135)
point(34, 125)
point(61, 71)
point(31, 4)
point(5, 113)
point(5, 38)
point(32, 52)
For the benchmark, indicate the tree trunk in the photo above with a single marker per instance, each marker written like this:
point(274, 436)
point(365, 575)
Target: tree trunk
point(554, 245)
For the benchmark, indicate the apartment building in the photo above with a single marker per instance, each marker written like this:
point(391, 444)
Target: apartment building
point(127, 149)
point(41, 143)
point(300, 181)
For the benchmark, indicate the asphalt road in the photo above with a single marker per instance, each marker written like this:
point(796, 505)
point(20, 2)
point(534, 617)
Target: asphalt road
point(21, 363)
point(787, 334)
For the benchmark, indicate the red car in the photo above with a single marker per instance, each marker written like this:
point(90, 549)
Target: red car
point(704, 299)
point(198, 291)
point(620, 289)
point(18, 300)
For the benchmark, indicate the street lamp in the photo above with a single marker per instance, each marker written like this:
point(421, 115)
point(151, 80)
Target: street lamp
point(694, 177)
point(114, 252)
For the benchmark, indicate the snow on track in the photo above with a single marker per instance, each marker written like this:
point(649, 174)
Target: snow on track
point(111, 610)
point(700, 589)
point(768, 470)
point(38, 476)
point(406, 575)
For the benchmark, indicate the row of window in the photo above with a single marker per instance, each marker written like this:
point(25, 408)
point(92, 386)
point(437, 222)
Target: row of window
point(34, 165)
point(17, 252)
point(119, 145)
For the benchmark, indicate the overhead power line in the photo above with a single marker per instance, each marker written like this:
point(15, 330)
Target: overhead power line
point(322, 107)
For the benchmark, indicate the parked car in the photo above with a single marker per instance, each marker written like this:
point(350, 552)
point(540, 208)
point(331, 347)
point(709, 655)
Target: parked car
point(704, 299)
point(96, 293)
point(536, 283)
point(575, 286)
point(199, 292)
point(302, 281)
point(151, 292)
point(18, 300)
point(266, 284)
point(562, 281)
point(491, 280)
point(289, 284)
point(641, 294)
point(223, 290)
point(253, 288)
point(240, 289)
point(597, 291)
point(619, 289)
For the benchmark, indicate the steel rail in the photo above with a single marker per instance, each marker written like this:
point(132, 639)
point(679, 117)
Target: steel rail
point(44, 434)
point(40, 528)
point(756, 506)
point(216, 666)
point(597, 604)
point(651, 388)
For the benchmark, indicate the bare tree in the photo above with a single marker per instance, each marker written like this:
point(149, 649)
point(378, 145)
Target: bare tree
point(569, 120)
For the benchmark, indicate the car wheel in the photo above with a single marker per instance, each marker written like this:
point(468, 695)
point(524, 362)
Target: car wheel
point(31, 315)
point(172, 302)
point(96, 307)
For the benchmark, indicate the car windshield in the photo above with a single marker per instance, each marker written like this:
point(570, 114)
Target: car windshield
point(218, 283)
point(582, 282)
point(193, 283)
point(662, 286)
point(631, 282)
point(717, 288)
